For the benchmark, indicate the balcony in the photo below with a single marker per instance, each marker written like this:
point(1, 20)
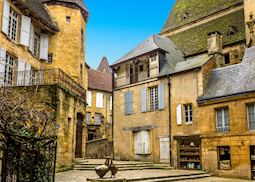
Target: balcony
point(136, 77)
point(41, 77)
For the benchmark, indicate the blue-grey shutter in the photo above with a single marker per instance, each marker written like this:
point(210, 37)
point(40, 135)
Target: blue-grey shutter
point(161, 95)
point(129, 103)
point(126, 103)
point(143, 97)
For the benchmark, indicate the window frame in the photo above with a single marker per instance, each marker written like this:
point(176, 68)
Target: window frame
point(12, 18)
point(97, 97)
point(223, 120)
point(9, 69)
point(100, 117)
point(153, 103)
point(218, 158)
point(248, 116)
point(36, 48)
point(190, 115)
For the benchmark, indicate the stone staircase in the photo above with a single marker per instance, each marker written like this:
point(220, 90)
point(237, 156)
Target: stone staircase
point(83, 165)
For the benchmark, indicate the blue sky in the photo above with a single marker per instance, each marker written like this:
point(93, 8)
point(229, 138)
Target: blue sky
point(117, 26)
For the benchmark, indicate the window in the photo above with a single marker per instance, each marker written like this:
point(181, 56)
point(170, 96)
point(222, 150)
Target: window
point(141, 68)
point(89, 98)
point(224, 161)
point(82, 40)
point(188, 113)
point(153, 98)
point(81, 71)
point(88, 117)
point(185, 16)
point(142, 142)
point(98, 119)
point(13, 25)
point(227, 58)
point(99, 100)
point(110, 120)
point(129, 103)
point(222, 120)
point(9, 69)
point(68, 19)
point(251, 117)
point(36, 45)
point(50, 58)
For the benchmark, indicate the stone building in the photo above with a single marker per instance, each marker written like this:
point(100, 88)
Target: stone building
point(99, 99)
point(42, 45)
point(209, 96)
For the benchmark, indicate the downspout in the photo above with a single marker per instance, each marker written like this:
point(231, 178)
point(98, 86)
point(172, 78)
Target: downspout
point(169, 118)
point(113, 113)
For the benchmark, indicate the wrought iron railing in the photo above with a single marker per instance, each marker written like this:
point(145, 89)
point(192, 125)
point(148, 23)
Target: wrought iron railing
point(223, 129)
point(42, 77)
point(136, 77)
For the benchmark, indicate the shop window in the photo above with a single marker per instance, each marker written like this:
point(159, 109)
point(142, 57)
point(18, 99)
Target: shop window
point(227, 58)
point(224, 161)
point(154, 98)
point(222, 120)
point(188, 113)
point(251, 117)
point(13, 25)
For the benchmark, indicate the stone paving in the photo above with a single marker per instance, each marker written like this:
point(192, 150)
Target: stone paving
point(81, 176)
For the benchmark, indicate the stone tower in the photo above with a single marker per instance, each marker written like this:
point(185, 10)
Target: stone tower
point(249, 9)
point(68, 45)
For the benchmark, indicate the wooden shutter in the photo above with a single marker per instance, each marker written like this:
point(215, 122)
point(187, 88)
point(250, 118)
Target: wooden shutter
point(161, 95)
point(110, 102)
point(2, 65)
point(28, 74)
point(137, 143)
point(31, 38)
point(44, 46)
point(144, 99)
point(99, 100)
point(89, 98)
point(25, 30)
point(145, 138)
point(21, 72)
point(6, 14)
point(179, 114)
point(128, 103)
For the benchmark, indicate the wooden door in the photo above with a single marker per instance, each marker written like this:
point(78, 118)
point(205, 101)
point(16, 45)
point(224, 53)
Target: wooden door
point(79, 128)
point(164, 150)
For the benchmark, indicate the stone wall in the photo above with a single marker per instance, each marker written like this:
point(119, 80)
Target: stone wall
point(99, 149)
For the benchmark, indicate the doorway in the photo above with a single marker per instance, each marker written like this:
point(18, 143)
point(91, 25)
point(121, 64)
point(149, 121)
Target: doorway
point(79, 134)
point(164, 150)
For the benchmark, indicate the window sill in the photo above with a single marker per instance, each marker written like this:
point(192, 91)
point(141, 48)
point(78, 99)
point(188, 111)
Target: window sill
point(188, 123)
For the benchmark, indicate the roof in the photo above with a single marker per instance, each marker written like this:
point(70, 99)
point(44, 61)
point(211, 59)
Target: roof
point(232, 80)
point(194, 10)
point(194, 40)
point(79, 3)
point(153, 43)
point(104, 66)
point(37, 9)
point(99, 80)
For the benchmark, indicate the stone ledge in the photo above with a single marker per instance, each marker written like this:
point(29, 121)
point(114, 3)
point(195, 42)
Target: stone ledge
point(107, 180)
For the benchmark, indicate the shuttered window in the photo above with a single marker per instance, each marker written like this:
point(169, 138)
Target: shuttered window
point(154, 98)
point(9, 69)
point(222, 120)
point(25, 30)
point(251, 117)
point(179, 114)
point(89, 98)
point(98, 119)
point(21, 72)
point(128, 103)
point(88, 117)
point(142, 142)
point(110, 102)
point(44, 46)
point(143, 99)
point(99, 100)
point(36, 44)
point(188, 113)
point(13, 25)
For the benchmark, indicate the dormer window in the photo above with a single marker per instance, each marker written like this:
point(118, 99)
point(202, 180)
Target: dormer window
point(185, 16)
point(232, 30)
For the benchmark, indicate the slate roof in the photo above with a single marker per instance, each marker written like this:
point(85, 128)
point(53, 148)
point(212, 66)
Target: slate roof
point(153, 43)
point(78, 3)
point(232, 80)
point(194, 40)
point(195, 9)
point(104, 66)
point(37, 9)
point(99, 80)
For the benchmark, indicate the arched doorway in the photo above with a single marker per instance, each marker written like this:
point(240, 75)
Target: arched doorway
point(79, 134)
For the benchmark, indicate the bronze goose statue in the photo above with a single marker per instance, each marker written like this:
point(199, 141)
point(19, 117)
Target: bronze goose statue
point(103, 169)
point(113, 169)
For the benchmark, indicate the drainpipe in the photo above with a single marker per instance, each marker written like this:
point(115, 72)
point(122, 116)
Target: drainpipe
point(113, 80)
point(169, 118)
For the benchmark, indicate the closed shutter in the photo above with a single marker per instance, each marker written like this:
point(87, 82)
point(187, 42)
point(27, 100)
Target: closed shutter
point(89, 98)
point(31, 38)
point(128, 103)
point(6, 14)
point(179, 114)
point(161, 95)
point(44, 46)
point(2, 65)
point(144, 100)
point(110, 102)
point(25, 30)
point(40, 77)
point(145, 135)
point(28, 74)
point(99, 100)
point(137, 143)
point(21, 73)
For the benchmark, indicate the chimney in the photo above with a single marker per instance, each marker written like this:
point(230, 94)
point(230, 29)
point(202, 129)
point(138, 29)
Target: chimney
point(215, 48)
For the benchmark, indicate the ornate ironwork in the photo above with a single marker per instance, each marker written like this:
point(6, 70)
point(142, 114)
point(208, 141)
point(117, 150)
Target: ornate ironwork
point(42, 77)
point(23, 162)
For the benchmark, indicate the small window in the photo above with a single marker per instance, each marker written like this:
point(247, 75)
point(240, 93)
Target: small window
point(227, 59)
point(188, 113)
point(154, 101)
point(13, 25)
point(232, 30)
point(68, 19)
point(185, 16)
point(224, 161)
point(251, 117)
point(153, 58)
point(98, 119)
point(50, 58)
point(141, 68)
point(81, 71)
point(222, 120)
point(88, 117)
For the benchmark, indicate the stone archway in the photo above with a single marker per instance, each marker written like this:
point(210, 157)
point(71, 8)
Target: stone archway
point(79, 136)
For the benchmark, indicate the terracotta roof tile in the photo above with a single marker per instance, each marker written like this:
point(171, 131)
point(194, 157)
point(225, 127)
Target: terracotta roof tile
point(99, 80)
